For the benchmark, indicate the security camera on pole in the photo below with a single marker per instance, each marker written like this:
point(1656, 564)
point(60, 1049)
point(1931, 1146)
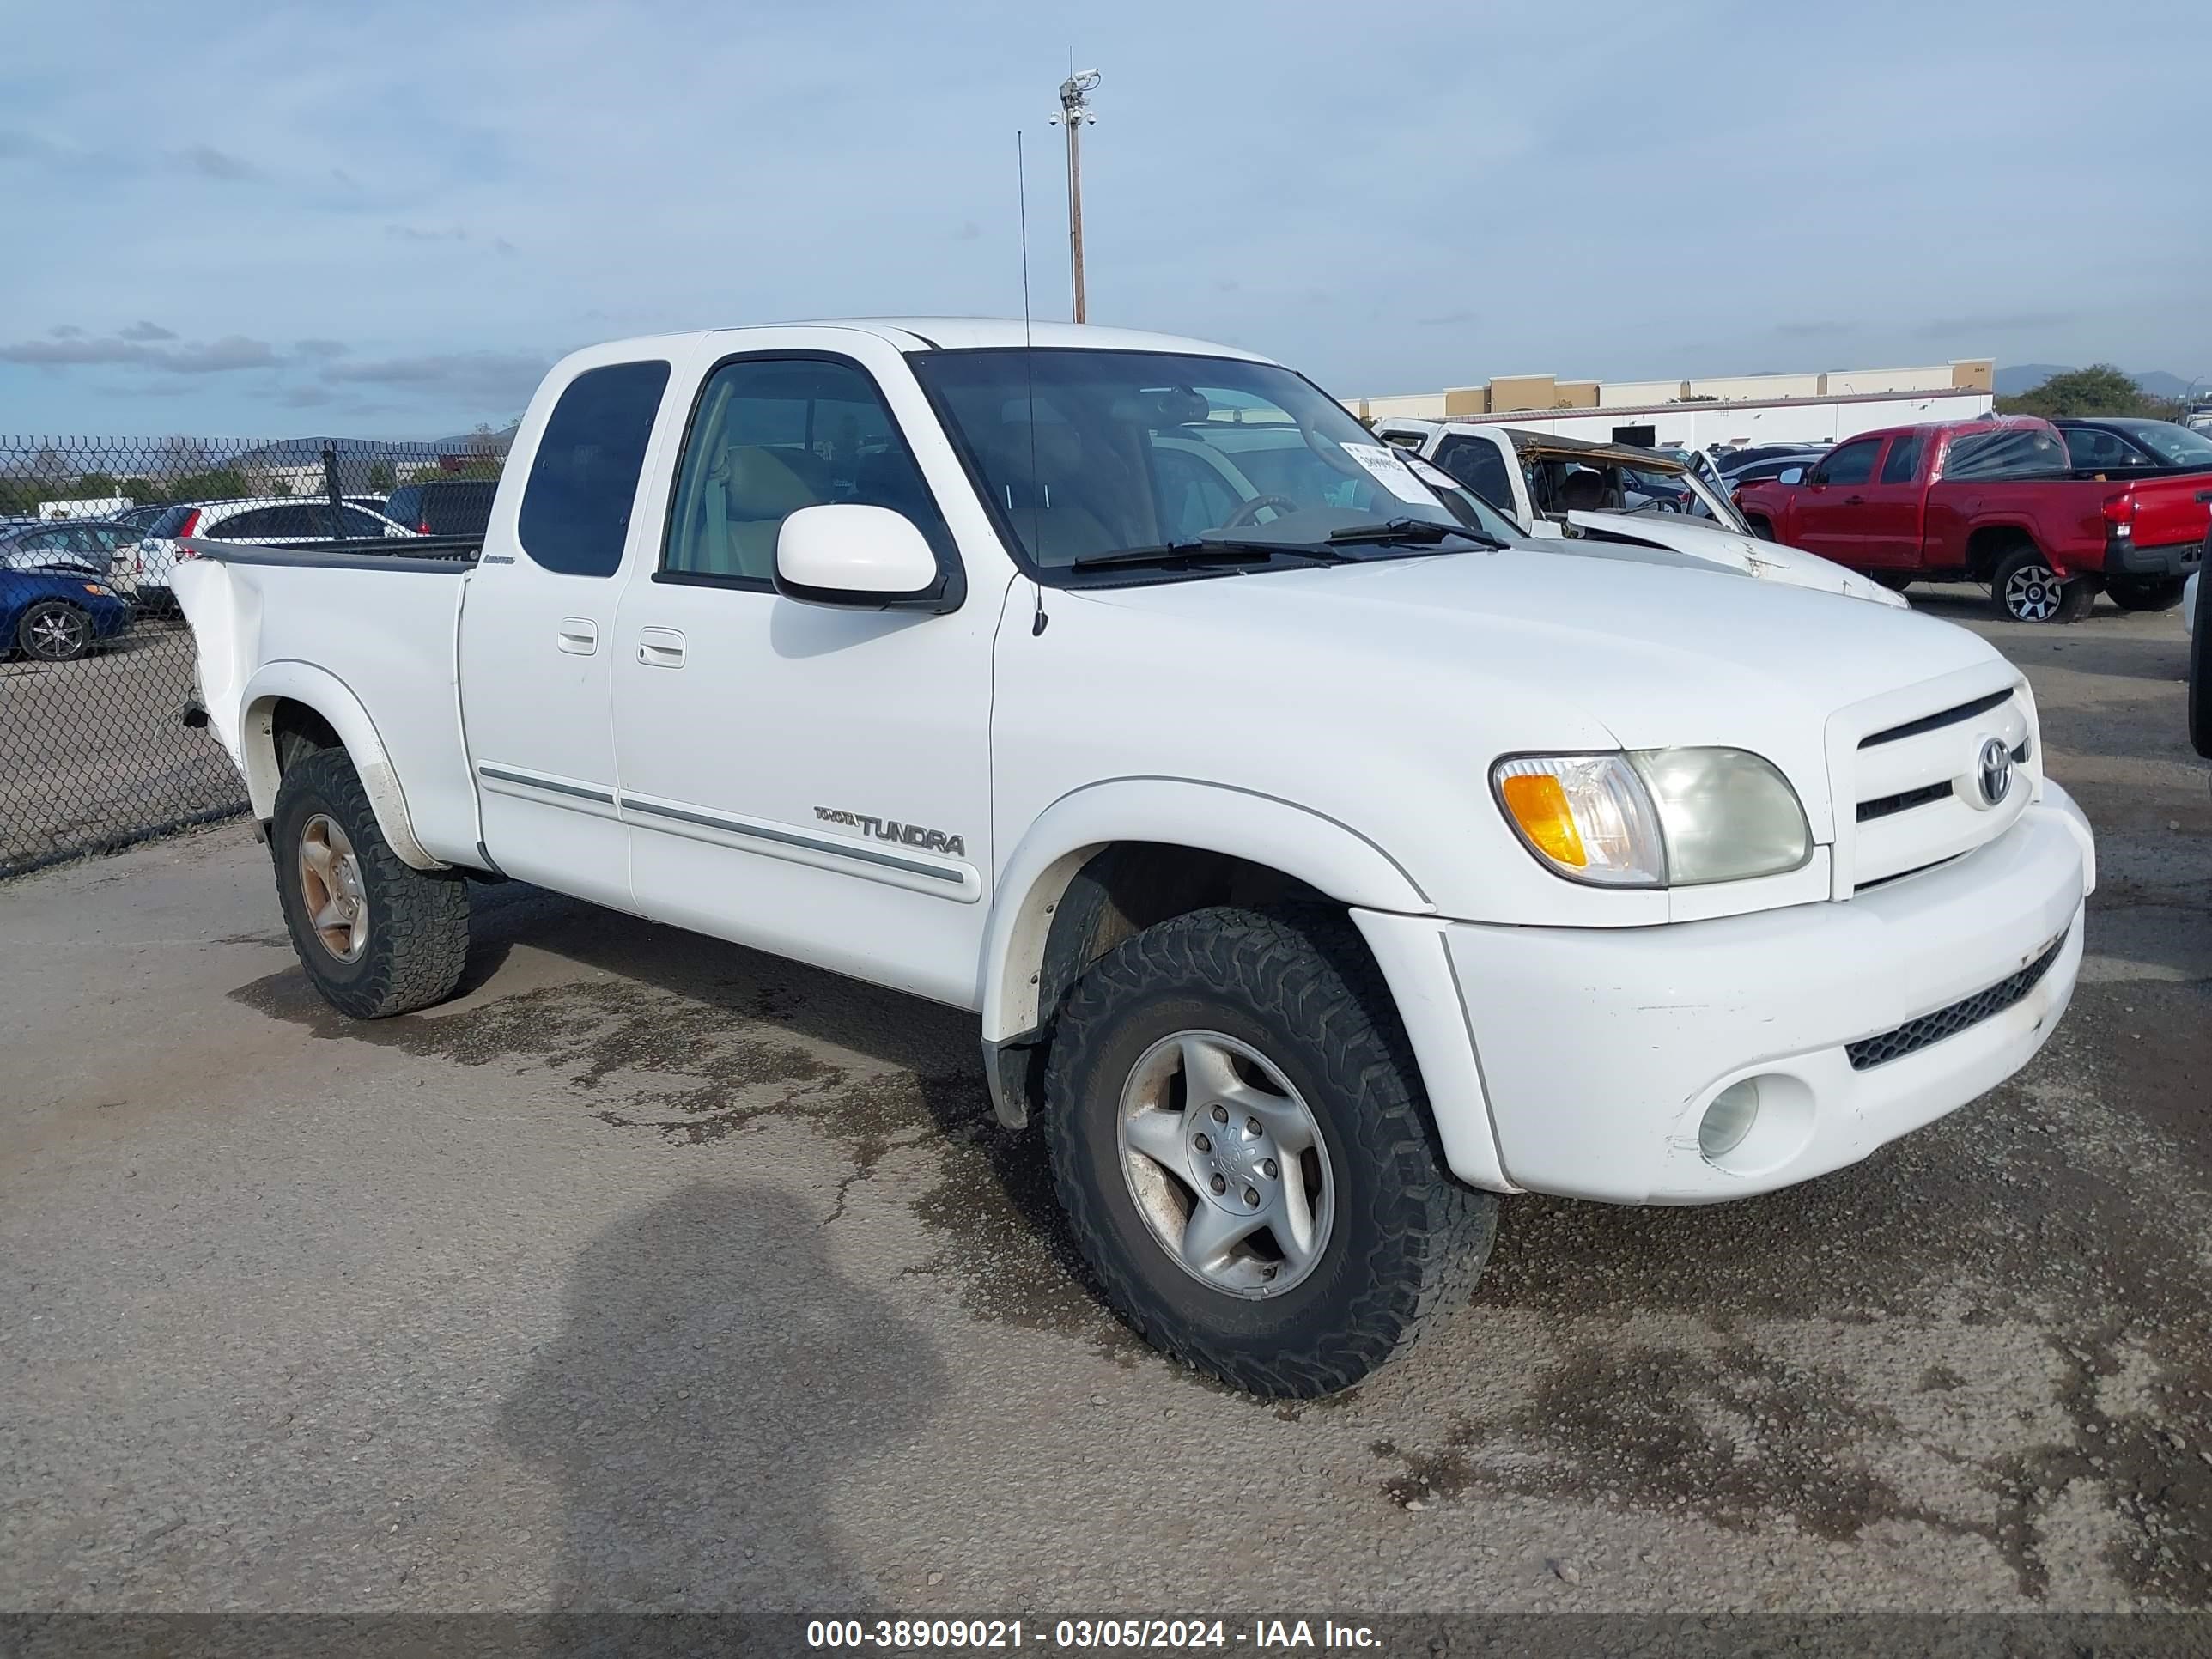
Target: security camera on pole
point(1075, 114)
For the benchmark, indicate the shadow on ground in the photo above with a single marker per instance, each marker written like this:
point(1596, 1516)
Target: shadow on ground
point(716, 1385)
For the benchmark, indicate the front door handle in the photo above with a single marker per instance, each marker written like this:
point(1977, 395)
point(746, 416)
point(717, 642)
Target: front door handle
point(579, 635)
point(1854, 500)
point(660, 647)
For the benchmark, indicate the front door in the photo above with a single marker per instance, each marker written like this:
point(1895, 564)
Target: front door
point(1825, 516)
point(536, 638)
point(1889, 506)
point(810, 780)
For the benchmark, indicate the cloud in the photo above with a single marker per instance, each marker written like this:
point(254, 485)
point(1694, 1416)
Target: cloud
point(967, 232)
point(501, 244)
point(1812, 329)
point(217, 356)
point(306, 397)
point(66, 331)
point(232, 351)
point(212, 163)
point(146, 331)
point(1447, 319)
point(320, 348)
point(487, 377)
point(420, 233)
point(70, 354)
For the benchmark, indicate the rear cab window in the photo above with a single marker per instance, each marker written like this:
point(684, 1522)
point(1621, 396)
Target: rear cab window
point(1478, 463)
point(574, 518)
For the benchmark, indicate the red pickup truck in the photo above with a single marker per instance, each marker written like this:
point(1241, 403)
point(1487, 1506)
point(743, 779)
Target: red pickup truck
point(1993, 501)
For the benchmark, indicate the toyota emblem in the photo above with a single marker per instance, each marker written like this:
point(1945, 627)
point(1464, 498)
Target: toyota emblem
point(1995, 771)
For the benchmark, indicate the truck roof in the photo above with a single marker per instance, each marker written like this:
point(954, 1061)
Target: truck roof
point(914, 334)
point(1980, 423)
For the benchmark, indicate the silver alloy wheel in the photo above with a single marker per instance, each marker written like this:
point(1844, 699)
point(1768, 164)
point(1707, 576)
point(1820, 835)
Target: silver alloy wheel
point(1226, 1163)
point(2031, 593)
point(329, 881)
point(57, 634)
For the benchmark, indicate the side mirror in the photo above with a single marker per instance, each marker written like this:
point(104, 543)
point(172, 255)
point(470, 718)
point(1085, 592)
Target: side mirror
point(1790, 475)
point(862, 558)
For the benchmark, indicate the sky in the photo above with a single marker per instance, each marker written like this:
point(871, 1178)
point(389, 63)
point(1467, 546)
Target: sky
point(249, 220)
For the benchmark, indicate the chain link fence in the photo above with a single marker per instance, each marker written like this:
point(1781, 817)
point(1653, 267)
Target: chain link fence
point(96, 660)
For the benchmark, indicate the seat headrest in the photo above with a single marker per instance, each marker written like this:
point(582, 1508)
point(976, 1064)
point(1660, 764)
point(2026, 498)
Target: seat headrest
point(763, 484)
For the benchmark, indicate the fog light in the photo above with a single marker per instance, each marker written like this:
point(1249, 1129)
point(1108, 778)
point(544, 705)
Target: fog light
point(1728, 1119)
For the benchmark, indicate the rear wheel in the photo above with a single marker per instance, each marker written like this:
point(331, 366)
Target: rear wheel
point(2145, 593)
point(376, 936)
point(2027, 589)
point(1895, 580)
point(54, 630)
point(1242, 1142)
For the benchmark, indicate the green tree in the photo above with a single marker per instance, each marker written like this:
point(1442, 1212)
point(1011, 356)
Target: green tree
point(2099, 389)
point(380, 478)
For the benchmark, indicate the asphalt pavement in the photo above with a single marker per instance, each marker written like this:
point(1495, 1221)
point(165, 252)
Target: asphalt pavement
point(655, 1273)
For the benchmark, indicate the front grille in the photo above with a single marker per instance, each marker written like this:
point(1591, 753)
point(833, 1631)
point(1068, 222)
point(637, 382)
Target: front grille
point(1886, 805)
point(1915, 1034)
point(1965, 711)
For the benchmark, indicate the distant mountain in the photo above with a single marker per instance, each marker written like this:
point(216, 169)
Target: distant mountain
point(2026, 377)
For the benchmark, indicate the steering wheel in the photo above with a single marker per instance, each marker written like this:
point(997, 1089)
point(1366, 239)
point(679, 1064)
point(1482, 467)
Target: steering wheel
point(1248, 513)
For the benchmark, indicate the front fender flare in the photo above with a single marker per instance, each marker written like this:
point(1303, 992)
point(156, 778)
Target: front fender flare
point(316, 687)
point(1329, 856)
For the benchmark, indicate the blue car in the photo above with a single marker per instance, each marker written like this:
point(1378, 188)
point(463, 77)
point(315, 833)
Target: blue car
point(56, 616)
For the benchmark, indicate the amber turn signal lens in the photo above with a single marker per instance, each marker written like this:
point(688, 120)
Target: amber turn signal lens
point(1539, 805)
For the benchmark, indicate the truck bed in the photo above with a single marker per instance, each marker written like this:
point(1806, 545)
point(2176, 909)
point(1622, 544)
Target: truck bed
point(342, 627)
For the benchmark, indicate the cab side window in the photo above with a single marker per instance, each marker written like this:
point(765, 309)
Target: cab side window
point(1902, 464)
point(1850, 463)
point(575, 509)
point(772, 435)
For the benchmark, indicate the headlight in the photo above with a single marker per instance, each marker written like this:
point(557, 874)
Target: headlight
point(1655, 818)
point(104, 593)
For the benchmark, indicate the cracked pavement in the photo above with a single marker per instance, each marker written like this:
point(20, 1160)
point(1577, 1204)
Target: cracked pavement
point(655, 1273)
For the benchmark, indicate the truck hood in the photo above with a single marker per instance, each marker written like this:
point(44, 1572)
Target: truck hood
point(1559, 645)
point(1728, 550)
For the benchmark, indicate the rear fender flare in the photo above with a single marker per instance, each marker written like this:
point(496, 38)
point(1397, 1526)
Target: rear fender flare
point(332, 698)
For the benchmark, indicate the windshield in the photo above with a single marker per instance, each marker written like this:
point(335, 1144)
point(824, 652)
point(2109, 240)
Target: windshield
point(1087, 453)
point(2176, 445)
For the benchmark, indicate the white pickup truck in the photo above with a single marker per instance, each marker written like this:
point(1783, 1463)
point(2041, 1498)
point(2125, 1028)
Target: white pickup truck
point(1321, 863)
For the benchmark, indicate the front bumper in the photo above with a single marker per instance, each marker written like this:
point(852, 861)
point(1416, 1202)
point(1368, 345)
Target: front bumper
point(1600, 1049)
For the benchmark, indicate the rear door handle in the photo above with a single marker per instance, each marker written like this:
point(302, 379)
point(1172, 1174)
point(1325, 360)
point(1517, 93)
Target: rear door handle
point(660, 647)
point(1854, 500)
point(579, 635)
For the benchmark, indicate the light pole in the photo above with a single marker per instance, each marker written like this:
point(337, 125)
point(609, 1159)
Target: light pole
point(1074, 114)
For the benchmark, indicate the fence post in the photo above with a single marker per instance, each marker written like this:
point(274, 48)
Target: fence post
point(331, 488)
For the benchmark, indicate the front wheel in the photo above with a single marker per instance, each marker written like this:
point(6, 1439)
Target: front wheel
point(2146, 593)
point(1241, 1141)
point(376, 936)
point(54, 630)
point(2027, 589)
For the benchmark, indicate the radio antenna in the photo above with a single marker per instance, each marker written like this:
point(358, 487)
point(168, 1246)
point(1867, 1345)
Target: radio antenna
point(1038, 620)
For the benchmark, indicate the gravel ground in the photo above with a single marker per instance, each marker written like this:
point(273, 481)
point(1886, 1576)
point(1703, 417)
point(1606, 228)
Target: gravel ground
point(656, 1273)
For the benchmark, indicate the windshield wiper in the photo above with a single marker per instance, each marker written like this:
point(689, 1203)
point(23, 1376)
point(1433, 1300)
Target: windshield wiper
point(1408, 529)
point(1208, 550)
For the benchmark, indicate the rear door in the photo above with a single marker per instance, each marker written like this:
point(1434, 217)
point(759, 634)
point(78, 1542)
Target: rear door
point(1826, 514)
point(537, 634)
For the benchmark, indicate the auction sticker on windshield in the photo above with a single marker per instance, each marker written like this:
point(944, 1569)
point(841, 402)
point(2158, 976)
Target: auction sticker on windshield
point(1390, 471)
